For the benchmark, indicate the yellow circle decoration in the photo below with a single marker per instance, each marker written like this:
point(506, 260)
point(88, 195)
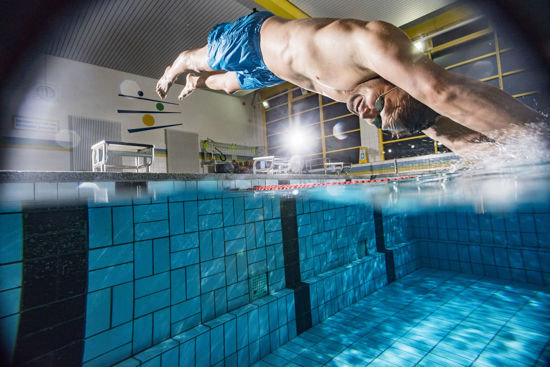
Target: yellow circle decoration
point(148, 120)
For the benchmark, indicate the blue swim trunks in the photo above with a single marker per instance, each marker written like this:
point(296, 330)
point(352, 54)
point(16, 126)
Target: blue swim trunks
point(236, 47)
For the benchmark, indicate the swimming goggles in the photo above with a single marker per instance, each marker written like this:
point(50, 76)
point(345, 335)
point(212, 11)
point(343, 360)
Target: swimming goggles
point(379, 105)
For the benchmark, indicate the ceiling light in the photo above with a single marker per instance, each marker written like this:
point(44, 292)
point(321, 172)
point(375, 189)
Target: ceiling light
point(265, 104)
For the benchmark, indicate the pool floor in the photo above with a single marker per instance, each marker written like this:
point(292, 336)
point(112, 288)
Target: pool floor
point(431, 318)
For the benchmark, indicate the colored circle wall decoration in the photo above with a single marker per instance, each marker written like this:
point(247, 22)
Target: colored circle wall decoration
point(140, 93)
point(148, 120)
point(160, 106)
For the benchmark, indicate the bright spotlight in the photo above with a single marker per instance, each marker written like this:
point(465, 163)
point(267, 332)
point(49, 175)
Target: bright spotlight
point(296, 140)
point(265, 104)
point(419, 45)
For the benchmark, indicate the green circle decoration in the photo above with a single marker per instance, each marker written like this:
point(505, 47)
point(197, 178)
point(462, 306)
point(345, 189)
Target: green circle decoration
point(233, 147)
point(160, 106)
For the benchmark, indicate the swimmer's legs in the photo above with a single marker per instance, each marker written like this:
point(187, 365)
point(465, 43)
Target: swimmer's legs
point(215, 80)
point(190, 60)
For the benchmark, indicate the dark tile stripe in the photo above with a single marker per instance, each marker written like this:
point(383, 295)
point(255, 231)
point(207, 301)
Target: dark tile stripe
point(381, 244)
point(55, 274)
point(291, 253)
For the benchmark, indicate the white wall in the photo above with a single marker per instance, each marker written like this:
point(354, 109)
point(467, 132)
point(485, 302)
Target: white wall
point(370, 140)
point(92, 91)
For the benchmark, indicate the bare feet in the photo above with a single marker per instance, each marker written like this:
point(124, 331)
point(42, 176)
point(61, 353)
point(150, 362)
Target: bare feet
point(164, 83)
point(190, 85)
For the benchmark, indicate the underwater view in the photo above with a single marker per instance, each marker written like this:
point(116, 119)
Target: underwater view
point(451, 268)
point(275, 183)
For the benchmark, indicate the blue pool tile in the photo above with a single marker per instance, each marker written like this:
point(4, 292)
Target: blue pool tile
point(178, 285)
point(273, 225)
point(111, 276)
point(231, 269)
point(237, 290)
point(527, 222)
point(150, 230)
point(238, 207)
point(220, 299)
point(191, 216)
point(123, 228)
point(205, 245)
point(110, 256)
point(184, 258)
point(203, 344)
point(242, 331)
point(218, 245)
point(253, 215)
point(11, 238)
point(170, 358)
point(100, 228)
point(184, 242)
point(232, 247)
point(185, 309)
point(151, 212)
point(96, 345)
point(529, 239)
point(10, 302)
point(242, 268)
point(176, 217)
point(98, 311)
point(152, 284)
point(122, 307)
point(515, 258)
point(161, 255)
point(212, 282)
point(10, 275)
point(230, 337)
point(228, 212)
point(210, 221)
point(254, 350)
point(208, 311)
point(152, 302)
point(253, 325)
point(212, 267)
point(193, 281)
point(250, 235)
point(161, 325)
point(234, 232)
point(143, 258)
point(187, 353)
point(272, 238)
point(243, 357)
point(210, 206)
point(143, 333)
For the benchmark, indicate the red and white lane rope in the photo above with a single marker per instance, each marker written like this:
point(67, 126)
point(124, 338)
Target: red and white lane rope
point(310, 185)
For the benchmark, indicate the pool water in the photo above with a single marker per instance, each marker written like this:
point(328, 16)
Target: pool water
point(444, 269)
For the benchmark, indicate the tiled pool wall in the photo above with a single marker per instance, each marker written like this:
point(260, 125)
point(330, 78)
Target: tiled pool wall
point(511, 245)
point(177, 279)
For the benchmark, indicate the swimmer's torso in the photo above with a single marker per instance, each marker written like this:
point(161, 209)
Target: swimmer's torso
point(315, 54)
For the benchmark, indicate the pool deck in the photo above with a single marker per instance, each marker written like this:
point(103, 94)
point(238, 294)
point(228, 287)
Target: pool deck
point(431, 318)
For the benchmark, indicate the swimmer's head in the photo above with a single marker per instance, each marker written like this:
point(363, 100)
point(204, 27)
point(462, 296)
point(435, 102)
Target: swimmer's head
point(400, 113)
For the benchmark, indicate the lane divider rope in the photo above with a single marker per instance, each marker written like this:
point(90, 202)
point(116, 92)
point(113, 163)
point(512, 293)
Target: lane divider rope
point(310, 185)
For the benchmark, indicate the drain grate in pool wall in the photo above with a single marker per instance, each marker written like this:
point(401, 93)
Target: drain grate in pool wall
point(258, 286)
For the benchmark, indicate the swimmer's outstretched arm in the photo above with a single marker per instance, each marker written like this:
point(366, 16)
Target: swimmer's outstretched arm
point(476, 105)
point(461, 140)
point(216, 80)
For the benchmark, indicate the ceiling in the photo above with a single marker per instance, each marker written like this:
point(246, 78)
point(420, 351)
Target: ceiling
point(144, 36)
